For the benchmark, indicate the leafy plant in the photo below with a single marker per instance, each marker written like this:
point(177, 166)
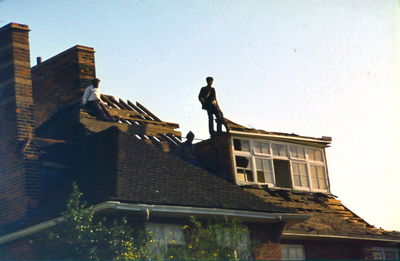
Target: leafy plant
point(227, 240)
point(80, 237)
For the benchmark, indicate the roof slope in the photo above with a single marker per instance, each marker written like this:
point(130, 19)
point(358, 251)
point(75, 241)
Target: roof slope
point(328, 215)
point(146, 174)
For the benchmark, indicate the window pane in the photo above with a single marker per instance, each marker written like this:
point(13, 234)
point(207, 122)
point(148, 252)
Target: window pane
point(313, 170)
point(261, 147)
point(390, 255)
point(249, 175)
point(295, 168)
point(265, 148)
point(299, 171)
point(315, 154)
point(318, 155)
point(302, 154)
point(279, 150)
point(240, 175)
point(320, 172)
point(304, 181)
point(376, 255)
point(297, 152)
point(302, 168)
point(318, 177)
point(297, 180)
point(292, 252)
point(264, 170)
point(241, 145)
point(242, 162)
point(260, 176)
point(244, 172)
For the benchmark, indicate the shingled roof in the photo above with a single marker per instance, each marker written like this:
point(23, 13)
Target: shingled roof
point(328, 215)
point(147, 174)
point(144, 171)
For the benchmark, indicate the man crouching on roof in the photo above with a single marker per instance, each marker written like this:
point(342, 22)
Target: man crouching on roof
point(92, 103)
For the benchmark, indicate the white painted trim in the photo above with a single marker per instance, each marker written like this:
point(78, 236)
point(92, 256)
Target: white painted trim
point(265, 135)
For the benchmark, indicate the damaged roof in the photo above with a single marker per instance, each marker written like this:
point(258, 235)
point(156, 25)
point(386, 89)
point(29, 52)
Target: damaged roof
point(134, 166)
point(144, 173)
point(328, 215)
point(235, 128)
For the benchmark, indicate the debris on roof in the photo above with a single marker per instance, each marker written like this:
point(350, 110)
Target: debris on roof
point(328, 215)
point(140, 120)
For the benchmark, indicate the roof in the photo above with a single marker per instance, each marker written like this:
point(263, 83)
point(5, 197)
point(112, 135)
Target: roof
point(235, 128)
point(137, 164)
point(147, 174)
point(328, 215)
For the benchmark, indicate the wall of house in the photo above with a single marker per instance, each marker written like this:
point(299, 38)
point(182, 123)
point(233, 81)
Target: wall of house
point(330, 249)
point(59, 82)
point(215, 155)
point(265, 239)
point(17, 250)
point(19, 179)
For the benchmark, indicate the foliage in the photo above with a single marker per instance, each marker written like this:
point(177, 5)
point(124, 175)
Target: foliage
point(227, 240)
point(80, 237)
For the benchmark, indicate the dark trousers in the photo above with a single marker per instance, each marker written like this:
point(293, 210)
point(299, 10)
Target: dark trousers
point(99, 110)
point(211, 111)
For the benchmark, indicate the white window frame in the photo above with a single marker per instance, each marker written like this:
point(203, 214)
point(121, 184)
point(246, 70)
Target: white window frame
point(293, 247)
point(289, 156)
point(160, 246)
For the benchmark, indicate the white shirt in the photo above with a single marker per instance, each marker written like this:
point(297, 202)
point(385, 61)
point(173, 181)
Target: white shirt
point(91, 94)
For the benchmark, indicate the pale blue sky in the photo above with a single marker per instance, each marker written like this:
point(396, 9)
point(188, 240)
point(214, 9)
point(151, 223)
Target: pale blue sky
point(311, 67)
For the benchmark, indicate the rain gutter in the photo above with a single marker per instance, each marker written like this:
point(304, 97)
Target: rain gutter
point(165, 211)
point(290, 235)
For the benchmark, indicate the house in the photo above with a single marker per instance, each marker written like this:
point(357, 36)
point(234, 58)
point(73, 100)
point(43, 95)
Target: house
point(277, 184)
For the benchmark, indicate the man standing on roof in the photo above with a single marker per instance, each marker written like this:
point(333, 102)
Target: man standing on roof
point(208, 100)
point(91, 101)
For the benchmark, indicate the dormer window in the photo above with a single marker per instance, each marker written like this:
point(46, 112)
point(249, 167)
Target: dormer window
point(279, 164)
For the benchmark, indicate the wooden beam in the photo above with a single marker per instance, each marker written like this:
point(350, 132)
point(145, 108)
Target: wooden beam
point(147, 111)
point(107, 99)
point(139, 110)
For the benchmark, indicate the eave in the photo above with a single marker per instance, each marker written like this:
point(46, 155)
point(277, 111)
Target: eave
point(303, 236)
point(323, 142)
point(166, 211)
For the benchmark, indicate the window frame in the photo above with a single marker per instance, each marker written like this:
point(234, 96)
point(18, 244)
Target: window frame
point(383, 250)
point(296, 247)
point(253, 155)
point(160, 246)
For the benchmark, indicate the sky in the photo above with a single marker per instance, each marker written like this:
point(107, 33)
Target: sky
point(311, 67)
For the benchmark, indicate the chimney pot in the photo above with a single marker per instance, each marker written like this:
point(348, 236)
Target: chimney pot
point(38, 60)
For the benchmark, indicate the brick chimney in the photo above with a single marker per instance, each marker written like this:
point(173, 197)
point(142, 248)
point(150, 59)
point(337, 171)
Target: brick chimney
point(19, 178)
point(58, 83)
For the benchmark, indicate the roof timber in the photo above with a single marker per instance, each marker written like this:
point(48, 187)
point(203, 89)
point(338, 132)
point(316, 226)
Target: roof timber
point(138, 120)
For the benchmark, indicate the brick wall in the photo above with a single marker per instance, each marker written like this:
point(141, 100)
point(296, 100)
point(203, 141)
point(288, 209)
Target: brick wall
point(265, 238)
point(19, 185)
point(215, 155)
point(59, 82)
